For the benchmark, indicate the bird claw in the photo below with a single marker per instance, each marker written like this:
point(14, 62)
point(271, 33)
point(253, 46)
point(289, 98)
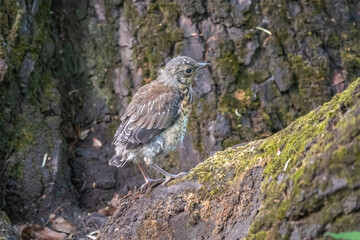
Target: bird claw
point(172, 177)
point(150, 184)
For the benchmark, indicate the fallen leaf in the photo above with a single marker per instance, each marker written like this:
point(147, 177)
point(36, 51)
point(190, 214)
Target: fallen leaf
point(83, 134)
point(47, 234)
point(97, 143)
point(115, 201)
point(106, 211)
point(34, 231)
point(61, 225)
point(52, 217)
point(22, 229)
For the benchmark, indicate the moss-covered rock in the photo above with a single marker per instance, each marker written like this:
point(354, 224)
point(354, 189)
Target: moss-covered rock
point(296, 184)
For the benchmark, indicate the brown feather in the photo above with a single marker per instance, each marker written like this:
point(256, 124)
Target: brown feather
point(153, 108)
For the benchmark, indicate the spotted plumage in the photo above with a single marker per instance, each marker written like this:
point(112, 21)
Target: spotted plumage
point(155, 121)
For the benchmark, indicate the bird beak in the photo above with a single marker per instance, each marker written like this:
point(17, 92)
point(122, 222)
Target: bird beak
point(202, 65)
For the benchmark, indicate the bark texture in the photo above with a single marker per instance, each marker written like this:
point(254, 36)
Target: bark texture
point(6, 230)
point(69, 68)
point(297, 184)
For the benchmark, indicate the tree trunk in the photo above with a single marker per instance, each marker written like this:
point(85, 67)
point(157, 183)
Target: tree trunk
point(297, 184)
point(69, 68)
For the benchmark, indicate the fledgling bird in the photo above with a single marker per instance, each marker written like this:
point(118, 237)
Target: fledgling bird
point(155, 121)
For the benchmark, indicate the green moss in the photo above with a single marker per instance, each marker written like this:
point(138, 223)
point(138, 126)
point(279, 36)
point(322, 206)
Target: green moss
point(17, 170)
point(229, 103)
point(14, 9)
point(266, 119)
point(334, 40)
point(261, 235)
point(24, 133)
point(232, 141)
point(4, 217)
point(346, 223)
point(19, 130)
point(318, 5)
point(229, 64)
point(350, 59)
point(299, 66)
point(298, 146)
point(157, 39)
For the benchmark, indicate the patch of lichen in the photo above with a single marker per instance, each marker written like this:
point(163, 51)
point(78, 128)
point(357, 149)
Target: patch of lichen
point(156, 40)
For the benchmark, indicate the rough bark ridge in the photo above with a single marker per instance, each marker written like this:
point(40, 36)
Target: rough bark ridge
point(34, 169)
point(296, 184)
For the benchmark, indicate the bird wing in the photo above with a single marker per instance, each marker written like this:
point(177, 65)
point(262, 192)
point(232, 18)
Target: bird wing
point(153, 108)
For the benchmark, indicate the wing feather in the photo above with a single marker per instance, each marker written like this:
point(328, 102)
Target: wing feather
point(153, 108)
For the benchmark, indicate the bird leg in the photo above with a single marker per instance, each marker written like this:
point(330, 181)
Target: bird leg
point(167, 175)
point(148, 181)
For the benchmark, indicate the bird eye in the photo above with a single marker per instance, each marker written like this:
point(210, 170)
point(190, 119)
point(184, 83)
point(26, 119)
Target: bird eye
point(188, 71)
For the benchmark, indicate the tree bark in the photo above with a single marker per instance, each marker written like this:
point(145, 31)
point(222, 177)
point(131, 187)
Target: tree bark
point(69, 68)
point(6, 230)
point(297, 184)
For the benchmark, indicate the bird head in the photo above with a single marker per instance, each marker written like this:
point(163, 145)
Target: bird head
point(181, 71)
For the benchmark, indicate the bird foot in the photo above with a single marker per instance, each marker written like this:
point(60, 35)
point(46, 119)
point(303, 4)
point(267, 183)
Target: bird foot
point(172, 177)
point(150, 183)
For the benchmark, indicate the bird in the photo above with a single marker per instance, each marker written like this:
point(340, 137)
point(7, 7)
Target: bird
point(154, 122)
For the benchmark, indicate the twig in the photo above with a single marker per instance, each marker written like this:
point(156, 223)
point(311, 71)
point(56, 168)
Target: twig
point(44, 160)
point(56, 210)
point(264, 30)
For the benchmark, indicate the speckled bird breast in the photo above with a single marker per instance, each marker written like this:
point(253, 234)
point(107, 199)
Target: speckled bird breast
point(175, 134)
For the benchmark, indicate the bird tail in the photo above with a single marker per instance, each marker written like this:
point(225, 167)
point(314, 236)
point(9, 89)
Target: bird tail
point(117, 161)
